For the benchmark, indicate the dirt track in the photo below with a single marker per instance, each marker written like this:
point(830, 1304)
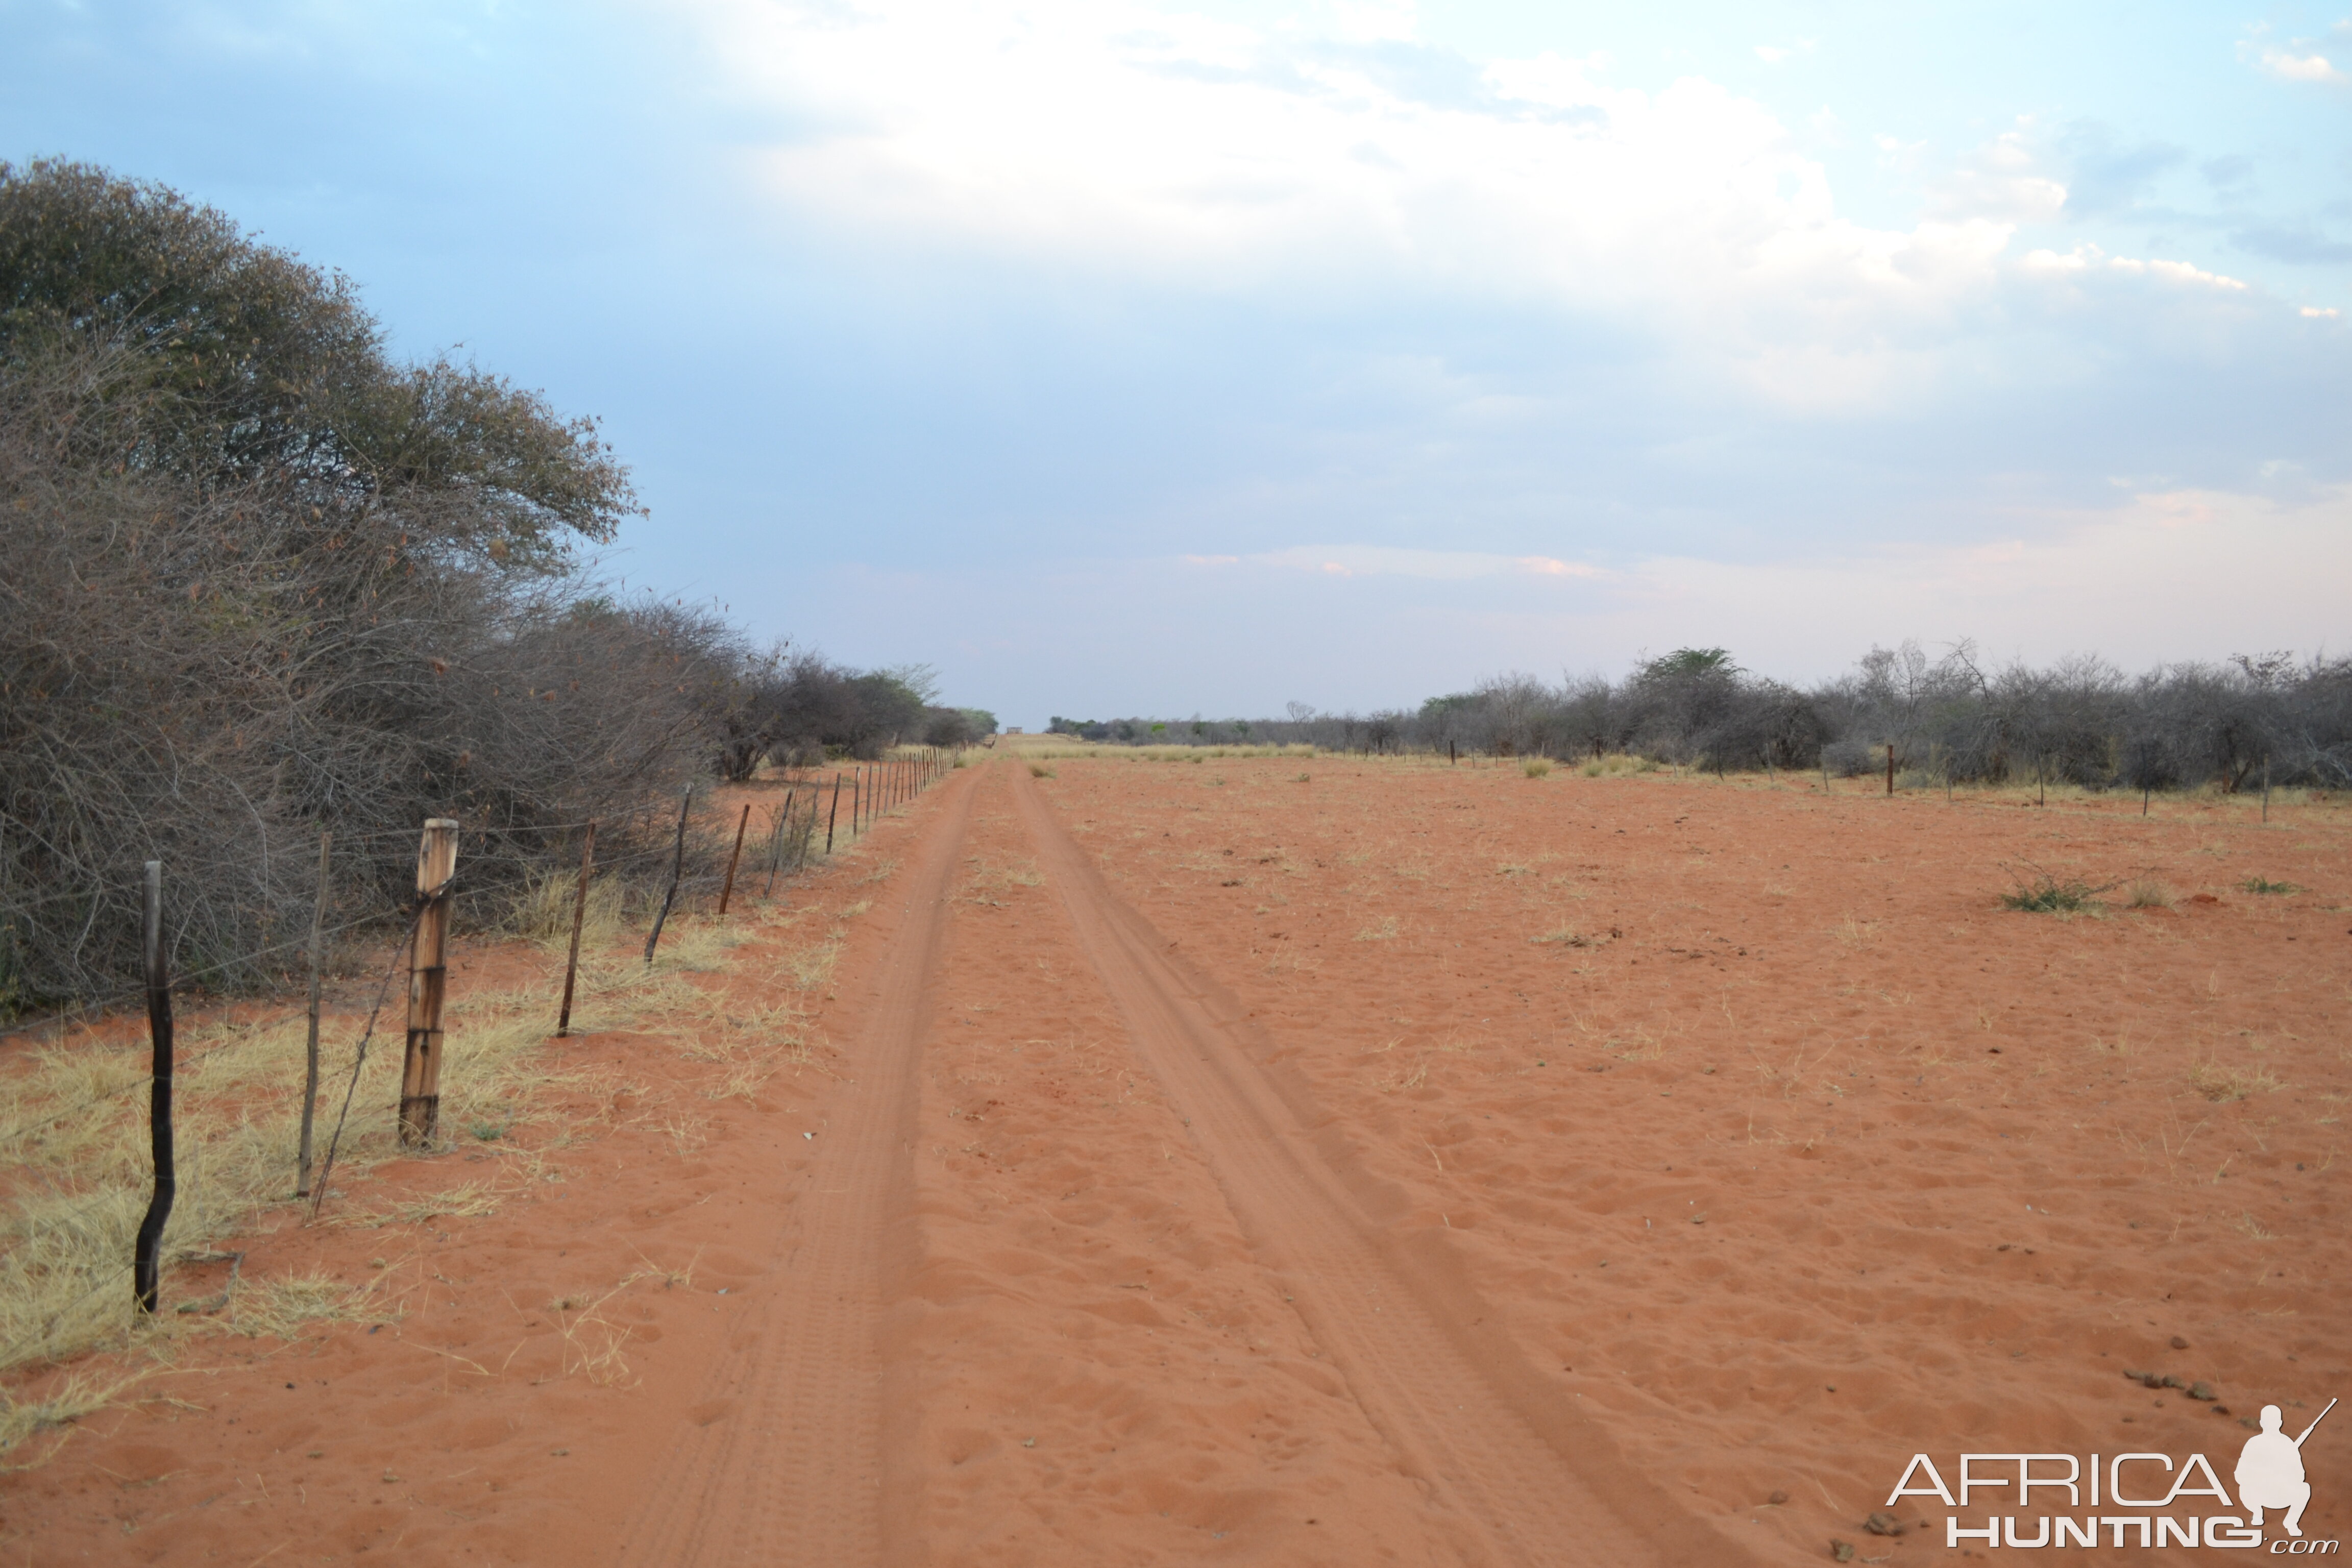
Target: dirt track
point(795, 1470)
point(1378, 1164)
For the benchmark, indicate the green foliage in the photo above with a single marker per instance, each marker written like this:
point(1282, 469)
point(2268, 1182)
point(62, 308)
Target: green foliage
point(1685, 663)
point(248, 365)
point(2264, 885)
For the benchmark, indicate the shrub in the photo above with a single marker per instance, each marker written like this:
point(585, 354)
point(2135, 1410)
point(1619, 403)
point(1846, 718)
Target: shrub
point(2047, 895)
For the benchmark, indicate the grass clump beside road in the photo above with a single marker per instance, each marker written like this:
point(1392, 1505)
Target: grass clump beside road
point(2046, 894)
point(74, 1149)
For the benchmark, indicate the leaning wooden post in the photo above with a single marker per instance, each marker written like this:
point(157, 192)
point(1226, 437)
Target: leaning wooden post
point(428, 983)
point(676, 868)
point(146, 1251)
point(579, 919)
point(1890, 768)
point(727, 888)
point(830, 814)
point(311, 1052)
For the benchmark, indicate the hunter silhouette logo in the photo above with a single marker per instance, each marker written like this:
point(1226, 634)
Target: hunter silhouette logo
point(2270, 1471)
point(2139, 1499)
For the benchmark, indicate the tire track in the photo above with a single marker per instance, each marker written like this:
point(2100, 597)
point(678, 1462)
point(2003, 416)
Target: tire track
point(782, 1461)
point(1529, 1478)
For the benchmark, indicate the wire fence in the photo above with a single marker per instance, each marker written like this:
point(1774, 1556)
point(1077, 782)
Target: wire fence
point(73, 1091)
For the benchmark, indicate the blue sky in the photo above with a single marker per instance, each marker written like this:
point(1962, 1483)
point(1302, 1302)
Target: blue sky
point(1133, 357)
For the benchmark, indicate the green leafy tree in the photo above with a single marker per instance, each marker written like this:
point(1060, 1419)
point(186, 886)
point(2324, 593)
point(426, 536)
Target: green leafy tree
point(253, 366)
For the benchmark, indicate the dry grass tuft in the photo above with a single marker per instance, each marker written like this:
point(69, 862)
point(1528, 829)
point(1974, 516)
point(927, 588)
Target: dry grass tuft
point(79, 1394)
point(1536, 768)
point(1615, 765)
point(472, 1201)
point(1385, 932)
point(543, 914)
point(2219, 1083)
point(278, 1309)
point(2148, 893)
point(1039, 770)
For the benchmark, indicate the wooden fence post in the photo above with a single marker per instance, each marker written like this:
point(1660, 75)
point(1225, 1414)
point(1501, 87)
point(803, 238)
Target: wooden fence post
point(1890, 769)
point(727, 888)
point(579, 919)
point(2266, 789)
point(428, 983)
point(676, 868)
point(311, 1052)
point(834, 813)
point(146, 1251)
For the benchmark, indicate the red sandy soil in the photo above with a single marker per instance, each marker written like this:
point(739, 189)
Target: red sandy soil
point(1199, 1163)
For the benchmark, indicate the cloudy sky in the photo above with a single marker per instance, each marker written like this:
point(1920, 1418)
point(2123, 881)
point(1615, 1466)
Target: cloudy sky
point(1128, 357)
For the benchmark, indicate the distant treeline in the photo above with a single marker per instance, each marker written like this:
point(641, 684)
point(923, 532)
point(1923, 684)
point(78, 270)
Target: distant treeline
point(257, 579)
point(2081, 720)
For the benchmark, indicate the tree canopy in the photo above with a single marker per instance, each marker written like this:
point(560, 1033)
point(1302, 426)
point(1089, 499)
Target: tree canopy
point(252, 365)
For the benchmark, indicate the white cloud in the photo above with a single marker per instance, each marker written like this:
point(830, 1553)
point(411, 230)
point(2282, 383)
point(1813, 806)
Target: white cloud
point(2312, 66)
point(1199, 156)
point(2085, 259)
point(1390, 561)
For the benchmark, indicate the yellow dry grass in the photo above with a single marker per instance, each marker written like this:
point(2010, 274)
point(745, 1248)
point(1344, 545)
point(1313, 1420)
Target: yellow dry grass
point(2219, 1083)
point(74, 1172)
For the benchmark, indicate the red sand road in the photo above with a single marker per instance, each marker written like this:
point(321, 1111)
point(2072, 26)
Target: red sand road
point(1406, 1164)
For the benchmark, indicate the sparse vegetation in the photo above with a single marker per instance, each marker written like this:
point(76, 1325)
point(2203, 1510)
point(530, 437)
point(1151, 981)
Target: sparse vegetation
point(2148, 893)
point(2264, 885)
point(1951, 721)
point(341, 592)
point(2046, 894)
point(2219, 1083)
